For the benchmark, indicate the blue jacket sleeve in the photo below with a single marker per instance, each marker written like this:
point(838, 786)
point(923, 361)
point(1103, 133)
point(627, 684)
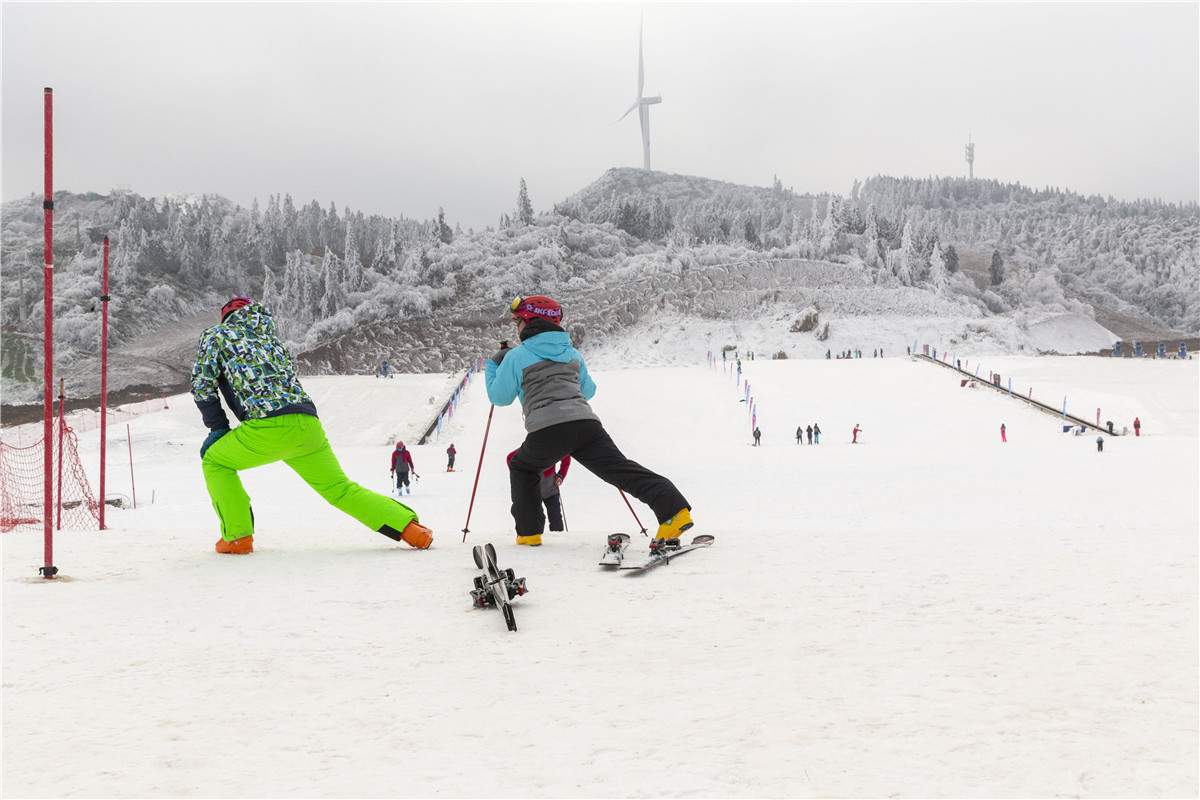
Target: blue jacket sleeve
point(586, 385)
point(503, 380)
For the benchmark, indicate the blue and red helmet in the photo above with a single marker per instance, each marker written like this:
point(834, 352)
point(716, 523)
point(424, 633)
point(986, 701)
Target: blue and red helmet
point(234, 305)
point(537, 307)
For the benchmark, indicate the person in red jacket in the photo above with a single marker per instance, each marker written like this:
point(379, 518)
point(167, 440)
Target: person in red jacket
point(401, 463)
point(1137, 427)
point(450, 453)
point(552, 478)
point(855, 434)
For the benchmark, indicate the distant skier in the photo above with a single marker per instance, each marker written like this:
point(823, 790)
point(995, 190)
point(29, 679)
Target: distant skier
point(401, 463)
point(800, 435)
point(450, 453)
point(1003, 436)
point(816, 430)
point(384, 369)
point(1099, 444)
point(243, 360)
point(551, 380)
point(1110, 428)
point(1137, 427)
point(757, 436)
point(855, 434)
point(809, 431)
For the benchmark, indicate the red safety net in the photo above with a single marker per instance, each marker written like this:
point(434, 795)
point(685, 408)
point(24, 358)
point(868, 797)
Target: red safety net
point(23, 486)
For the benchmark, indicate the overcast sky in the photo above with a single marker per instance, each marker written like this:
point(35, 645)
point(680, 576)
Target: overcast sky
point(402, 108)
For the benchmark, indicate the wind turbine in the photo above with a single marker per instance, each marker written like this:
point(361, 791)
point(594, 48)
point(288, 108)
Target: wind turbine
point(642, 104)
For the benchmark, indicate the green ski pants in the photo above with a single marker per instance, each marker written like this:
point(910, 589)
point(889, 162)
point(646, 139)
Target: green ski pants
point(297, 440)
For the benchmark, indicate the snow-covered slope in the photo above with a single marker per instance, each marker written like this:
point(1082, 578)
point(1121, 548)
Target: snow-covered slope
point(927, 613)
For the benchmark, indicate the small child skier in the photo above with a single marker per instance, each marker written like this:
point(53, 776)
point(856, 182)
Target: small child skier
point(401, 463)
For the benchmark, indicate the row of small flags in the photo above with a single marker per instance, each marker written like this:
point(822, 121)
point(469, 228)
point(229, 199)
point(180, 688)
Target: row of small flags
point(452, 406)
point(736, 373)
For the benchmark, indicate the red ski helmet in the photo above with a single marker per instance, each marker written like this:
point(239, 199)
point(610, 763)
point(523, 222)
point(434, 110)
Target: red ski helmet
point(234, 305)
point(536, 307)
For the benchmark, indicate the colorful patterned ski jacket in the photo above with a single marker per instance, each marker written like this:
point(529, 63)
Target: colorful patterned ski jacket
point(244, 360)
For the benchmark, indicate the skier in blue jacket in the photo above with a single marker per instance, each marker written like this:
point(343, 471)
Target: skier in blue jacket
point(552, 382)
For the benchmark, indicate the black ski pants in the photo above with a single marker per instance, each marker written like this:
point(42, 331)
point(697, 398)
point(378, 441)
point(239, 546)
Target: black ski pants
point(553, 505)
point(587, 443)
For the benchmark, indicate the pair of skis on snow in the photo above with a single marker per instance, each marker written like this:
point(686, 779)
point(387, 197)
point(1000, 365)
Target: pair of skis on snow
point(499, 587)
point(662, 551)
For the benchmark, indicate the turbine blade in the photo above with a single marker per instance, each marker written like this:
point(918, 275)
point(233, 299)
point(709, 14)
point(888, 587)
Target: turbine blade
point(641, 69)
point(636, 103)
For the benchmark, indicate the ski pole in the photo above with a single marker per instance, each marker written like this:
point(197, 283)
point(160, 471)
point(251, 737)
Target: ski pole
point(631, 511)
point(466, 528)
point(563, 510)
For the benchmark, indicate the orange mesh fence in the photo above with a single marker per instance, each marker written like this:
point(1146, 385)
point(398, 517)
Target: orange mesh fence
point(84, 420)
point(22, 486)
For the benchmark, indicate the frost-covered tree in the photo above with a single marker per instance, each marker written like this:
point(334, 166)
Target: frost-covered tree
point(268, 296)
point(939, 278)
point(445, 233)
point(951, 259)
point(996, 270)
point(524, 206)
point(903, 261)
point(332, 294)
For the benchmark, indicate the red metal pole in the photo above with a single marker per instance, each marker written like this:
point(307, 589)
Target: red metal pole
point(631, 511)
point(48, 569)
point(62, 425)
point(132, 486)
point(478, 469)
point(103, 381)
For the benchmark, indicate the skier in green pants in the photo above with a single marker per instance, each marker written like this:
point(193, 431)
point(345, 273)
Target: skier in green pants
point(244, 361)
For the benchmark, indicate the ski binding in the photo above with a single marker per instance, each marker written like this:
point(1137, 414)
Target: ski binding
point(496, 587)
point(662, 551)
point(614, 551)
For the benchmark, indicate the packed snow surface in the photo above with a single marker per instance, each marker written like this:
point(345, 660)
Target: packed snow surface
point(929, 612)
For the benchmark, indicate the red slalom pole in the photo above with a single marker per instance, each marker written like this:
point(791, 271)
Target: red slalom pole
point(103, 382)
point(48, 570)
point(62, 426)
point(631, 511)
point(478, 469)
point(132, 485)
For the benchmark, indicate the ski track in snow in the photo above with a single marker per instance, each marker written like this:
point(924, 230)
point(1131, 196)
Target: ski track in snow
point(927, 613)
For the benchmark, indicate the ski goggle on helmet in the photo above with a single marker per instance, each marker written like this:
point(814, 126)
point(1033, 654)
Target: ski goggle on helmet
point(536, 307)
point(234, 305)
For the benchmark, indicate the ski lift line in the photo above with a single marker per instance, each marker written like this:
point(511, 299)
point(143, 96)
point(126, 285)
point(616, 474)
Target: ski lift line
point(1060, 413)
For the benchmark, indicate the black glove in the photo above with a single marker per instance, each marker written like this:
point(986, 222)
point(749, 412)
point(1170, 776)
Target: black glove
point(499, 355)
point(213, 435)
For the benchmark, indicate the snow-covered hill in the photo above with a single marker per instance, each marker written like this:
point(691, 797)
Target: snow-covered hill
point(930, 612)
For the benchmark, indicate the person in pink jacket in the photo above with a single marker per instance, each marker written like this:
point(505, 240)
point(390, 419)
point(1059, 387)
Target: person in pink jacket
point(401, 463)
